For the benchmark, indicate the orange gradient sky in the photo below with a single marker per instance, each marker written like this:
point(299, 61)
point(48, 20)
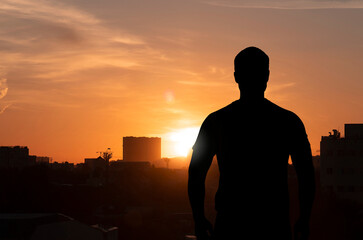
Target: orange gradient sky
point(76, 76)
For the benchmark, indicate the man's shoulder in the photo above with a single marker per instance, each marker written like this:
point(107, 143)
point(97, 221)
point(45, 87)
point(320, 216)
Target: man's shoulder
point(224, 110)
point(211, 119)
point(283, 112)
point(267, 105)
point(275, 110)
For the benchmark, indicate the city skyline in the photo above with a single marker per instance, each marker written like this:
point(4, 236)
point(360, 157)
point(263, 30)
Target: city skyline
point(76, 77)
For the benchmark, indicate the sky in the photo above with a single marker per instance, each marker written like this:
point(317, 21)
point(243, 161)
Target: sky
point(78, 75)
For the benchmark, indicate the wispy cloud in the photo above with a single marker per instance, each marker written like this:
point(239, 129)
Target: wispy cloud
point(52, 23)
point(278, 87)
point(3, 92)
point(3, 108)
point(3, 88)
point(204, 83)
point(46, 10)
point(289, 4)
point(48, 45)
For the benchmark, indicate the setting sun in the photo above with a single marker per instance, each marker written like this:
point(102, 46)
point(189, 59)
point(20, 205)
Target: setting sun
point(182, 140)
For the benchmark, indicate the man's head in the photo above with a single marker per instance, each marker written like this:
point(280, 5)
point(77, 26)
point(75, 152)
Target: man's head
point(251, 71)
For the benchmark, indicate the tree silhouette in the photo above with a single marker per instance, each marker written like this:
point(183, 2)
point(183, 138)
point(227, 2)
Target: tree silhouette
point(107, 155)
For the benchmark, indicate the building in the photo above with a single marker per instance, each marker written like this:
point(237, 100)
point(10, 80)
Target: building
point(43, 160)
point(97, 170)
point(120, 164)
point(15, 157)
point(95, 163)
point(341, 163)
point(141, 149)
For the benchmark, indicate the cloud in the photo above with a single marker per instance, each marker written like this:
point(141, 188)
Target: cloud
point(52, 27)
point(3, 92)
point(279, 87)
point(289, 4)
point(2, 109)
point(46, 10)
point(47, 45)
point(3, 88)
point(204, 83)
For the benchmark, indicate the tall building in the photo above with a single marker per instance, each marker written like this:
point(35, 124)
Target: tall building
point(141, 149)
point(341, 164)
point(15, 157)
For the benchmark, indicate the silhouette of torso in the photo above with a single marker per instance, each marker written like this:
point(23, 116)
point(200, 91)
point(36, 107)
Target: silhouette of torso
point(253, 141)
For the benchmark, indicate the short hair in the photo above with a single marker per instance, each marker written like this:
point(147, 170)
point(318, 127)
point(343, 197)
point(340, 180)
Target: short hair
point(250, 59)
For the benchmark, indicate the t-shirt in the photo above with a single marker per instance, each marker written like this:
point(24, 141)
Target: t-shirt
point(252, 142)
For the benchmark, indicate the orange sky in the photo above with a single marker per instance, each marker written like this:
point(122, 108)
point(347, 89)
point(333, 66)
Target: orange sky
point(77, 76)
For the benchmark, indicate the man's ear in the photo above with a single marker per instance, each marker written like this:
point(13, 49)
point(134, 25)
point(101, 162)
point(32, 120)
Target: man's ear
point(236, 79)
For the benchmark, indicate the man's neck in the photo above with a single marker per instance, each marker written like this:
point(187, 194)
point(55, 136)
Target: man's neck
point(252, 97)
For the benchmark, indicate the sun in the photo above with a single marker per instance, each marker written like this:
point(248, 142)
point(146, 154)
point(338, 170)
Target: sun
point(183, 140)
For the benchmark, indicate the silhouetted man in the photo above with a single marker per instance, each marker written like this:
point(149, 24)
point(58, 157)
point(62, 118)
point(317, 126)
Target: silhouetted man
point(252, 139)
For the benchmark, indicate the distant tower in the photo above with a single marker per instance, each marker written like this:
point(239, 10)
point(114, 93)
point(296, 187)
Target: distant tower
point(141, 149)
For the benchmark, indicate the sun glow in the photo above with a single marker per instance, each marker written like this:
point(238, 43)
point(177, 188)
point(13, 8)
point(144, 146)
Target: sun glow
point(183, 140)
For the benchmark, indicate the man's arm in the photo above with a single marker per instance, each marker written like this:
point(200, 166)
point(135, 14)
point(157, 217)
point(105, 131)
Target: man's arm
point(203, 152)
point(302, 160)
point(198, 169)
